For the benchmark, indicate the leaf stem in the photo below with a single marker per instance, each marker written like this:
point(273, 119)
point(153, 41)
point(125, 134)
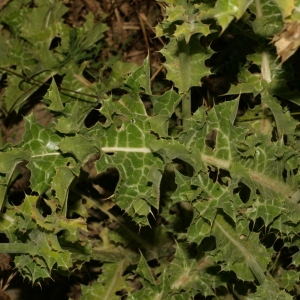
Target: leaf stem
point(184, 57)
point(186, 110)
point(265, 66)
point(258, 9)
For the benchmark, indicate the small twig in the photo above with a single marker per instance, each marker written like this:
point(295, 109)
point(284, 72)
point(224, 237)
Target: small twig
point(144, 31)
point(9, 279)
point(135, 53)
point(156, 72)
point(119, 21)
point(3, 3)
point(145, 19)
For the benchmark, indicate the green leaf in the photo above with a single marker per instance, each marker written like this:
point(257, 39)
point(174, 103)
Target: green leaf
point(183, 278)
point(144, 270)
point(150, 292)
point(166, 103)
point(185, 275)
point(71, 119)
point(43, 144)
point(285, 124)
point(188, 15)
point(8, 162)
point(269, 290)
point(77, 87)
point(269, 18)
point(225, 11)
point(185, 62)
point(63, 177)
point(39, 18)
point(10, 158)
point(286, 8)
point(246, 257)
point(54, 97)
point(160, 125)
point(163, 106)
point(139, 80)
point(108, 284)
point(186, 190)
point(272, 80)
point(75, 145)
point(30, 268)
point(94, 34)
point(43, 254)
point(16, 96)
point(119, 71)
point(49, 248)
point(289, 279)
point(128, 107)
point(248, 83)
point(14, 13)
point(128, 149)
point(268, 210)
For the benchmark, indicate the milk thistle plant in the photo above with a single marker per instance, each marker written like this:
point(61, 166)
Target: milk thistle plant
point(206, 198)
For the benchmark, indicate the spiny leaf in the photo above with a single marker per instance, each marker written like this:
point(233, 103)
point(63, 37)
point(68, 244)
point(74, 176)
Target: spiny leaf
point(150, 292)
point(145, 270)
point(267, 210)
point(63, 177)
point(189, 274)
point(49, 248)
point(285, 124)
point(286, 8)
point(74, 145)
point(289, 279)
point(54, 97)
point(227, 10)
point(9, 159)
point(139, 80)
point(39, 18)
point(185, 62)
point(129, 152)
point(31, 269)
point(43, 145)
point(269, 290)
point(108, 284)
point(269, 18)
point(163, 106)
point(246, 257)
